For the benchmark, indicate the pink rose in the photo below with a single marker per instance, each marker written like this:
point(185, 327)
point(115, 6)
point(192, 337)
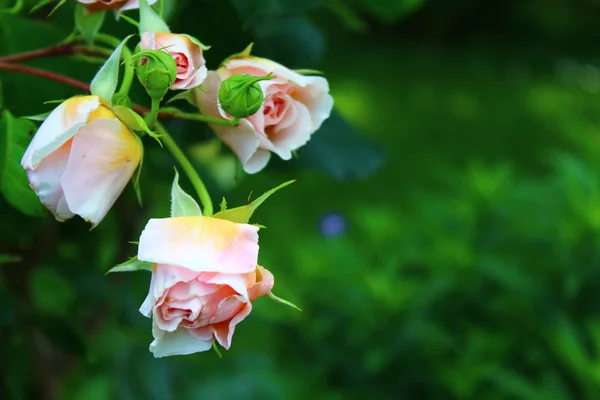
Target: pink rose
point(187, 53)
point(122, 5)
point(204, 280)
point(295, 106)
point(81, 159)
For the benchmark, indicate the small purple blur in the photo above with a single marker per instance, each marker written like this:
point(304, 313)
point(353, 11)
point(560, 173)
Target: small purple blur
point(332, 225)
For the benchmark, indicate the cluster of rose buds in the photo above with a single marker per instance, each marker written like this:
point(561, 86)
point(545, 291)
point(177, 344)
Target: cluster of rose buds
point(205, 272)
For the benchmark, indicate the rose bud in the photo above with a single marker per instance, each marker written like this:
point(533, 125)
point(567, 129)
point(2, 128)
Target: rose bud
point(240, 95)
point(156, 71)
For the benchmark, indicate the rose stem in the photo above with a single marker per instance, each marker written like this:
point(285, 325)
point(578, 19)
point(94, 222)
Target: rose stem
point(187, 167)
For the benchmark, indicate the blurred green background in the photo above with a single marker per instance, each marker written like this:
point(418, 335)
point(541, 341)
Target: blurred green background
point(447, 251)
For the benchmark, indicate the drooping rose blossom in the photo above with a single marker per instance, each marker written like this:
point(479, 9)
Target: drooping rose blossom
point(81, 159)
point(187, 52)
point(121, 5)
point(295, 106)
point(204, 280)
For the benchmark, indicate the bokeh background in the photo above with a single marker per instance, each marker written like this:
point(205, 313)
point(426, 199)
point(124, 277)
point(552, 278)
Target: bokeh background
point(442, 238)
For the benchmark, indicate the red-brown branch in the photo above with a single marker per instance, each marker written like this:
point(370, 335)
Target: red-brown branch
point(56, 50)
point(65, 80)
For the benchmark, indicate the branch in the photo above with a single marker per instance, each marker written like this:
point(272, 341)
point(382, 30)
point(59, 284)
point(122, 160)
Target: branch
point(45, 74)
point(65, 80)
point(56, 50)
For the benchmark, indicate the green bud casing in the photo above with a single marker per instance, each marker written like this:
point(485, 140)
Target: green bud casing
point(156, 71)
point(241, 96)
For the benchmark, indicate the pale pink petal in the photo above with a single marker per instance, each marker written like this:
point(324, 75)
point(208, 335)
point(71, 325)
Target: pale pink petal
point(202, 244)
point(224, 330)
point(104, 155)
point(262, 66)
point(60, 126)
point(237, 282)
point(195, 79)
point(227, 308)
point(179, 342)
point(203, 333)
point(163, 278)
point(317, 99)
point(264, 283)
point(293, 135)
point(257, 161)
point(45, 181)
point(132, 4)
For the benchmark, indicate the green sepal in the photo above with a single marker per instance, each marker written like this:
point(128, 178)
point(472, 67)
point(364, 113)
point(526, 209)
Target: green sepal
point(244, 53)
point(134, 121)
point(309, 72)
point(216, 349)
point(182, 204)
point(187, 95)
point(196, 41)
point(38, 118)
point(133, 264)
point(105, 82)
point(150, 21)
point(283, 301)
point(88, 24)
point(138, 172)
point(42, 3)
point(242, 215)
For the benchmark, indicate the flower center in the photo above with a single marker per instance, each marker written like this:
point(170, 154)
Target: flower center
point(182, 62)
point(274, 110)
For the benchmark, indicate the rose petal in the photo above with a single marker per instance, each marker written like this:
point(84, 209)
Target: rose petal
point(179, 342)
point(238, 282)
point(224, 330)
point(104, 155)
point(264, 283)
point(60, 126)
point(132, 4)
point(45, 181)
point(202, 244)
point(163, 278)
point(292, 135)
point(262, 66)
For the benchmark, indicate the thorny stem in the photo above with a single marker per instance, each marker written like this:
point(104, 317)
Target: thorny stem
point(56, 50)
point(45, 74)
point(188, 168)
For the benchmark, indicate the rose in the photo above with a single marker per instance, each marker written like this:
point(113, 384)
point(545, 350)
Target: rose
point(81, 159)
point(191, 309)
point(295, 106)
point(204, 278)
point(122, 5)
point(187, 53)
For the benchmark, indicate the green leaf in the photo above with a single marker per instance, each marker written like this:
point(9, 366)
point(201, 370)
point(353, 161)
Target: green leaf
point(182, 204)
point(391, 10)
point(9, 259)
point(88, 24)
point(242, 215)
point(42, 3)
point(15, 135)
point(132, 264)
point(105, 82)
point(150, 21)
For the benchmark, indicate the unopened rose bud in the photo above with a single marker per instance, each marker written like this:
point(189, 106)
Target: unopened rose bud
point(241, 96)
point(156, 71)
